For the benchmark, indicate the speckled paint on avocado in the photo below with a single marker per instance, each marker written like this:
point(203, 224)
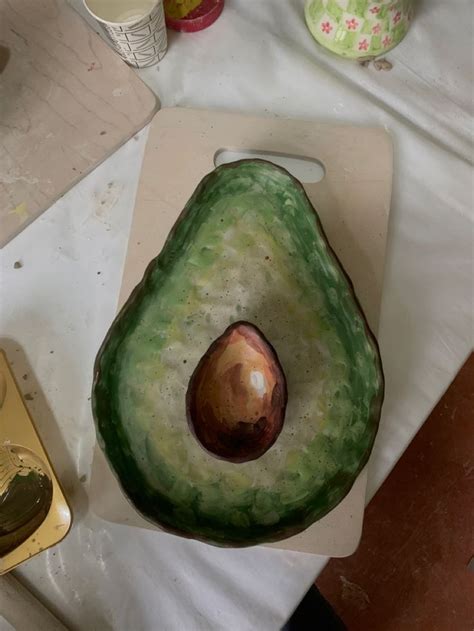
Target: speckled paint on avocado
point(248, 246)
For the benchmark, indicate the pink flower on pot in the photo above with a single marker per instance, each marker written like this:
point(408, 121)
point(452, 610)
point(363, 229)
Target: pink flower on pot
point(386, 41)
point(326, 27)
point(375, 10)
point(352, 24)
point(364, 45)
point(396, 17)
point(376, 29)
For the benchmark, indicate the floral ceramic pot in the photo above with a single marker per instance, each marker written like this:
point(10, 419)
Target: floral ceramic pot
point(358, 28)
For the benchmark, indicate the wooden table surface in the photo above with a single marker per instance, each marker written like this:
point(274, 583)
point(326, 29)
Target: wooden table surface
point(411, 569)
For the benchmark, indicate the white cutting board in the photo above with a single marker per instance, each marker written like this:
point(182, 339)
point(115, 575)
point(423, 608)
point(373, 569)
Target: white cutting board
point(67, 101)
point(353, 202)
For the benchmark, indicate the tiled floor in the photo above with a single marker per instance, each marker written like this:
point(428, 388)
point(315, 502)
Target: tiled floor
point(410, 572)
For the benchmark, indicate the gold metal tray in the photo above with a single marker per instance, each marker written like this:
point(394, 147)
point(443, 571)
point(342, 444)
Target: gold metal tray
point(21, 446)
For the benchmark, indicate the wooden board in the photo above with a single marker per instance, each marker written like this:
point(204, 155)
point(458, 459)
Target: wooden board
point(67, 101)
point(353, 200)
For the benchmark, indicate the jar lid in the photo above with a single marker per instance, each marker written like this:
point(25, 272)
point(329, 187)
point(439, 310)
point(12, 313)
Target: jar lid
point(191, 15)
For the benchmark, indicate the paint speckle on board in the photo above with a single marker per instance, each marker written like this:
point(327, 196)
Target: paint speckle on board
point(105, 200)
point(21, 211)
point(9, 178)
point(91, 67)
point(17, 265)
point(28, 396)
point(118, 92)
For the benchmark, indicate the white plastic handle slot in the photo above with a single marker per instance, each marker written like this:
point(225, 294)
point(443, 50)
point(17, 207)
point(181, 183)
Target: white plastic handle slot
point(306, 170)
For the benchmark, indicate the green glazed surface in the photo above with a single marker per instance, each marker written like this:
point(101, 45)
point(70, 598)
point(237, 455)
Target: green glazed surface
point(248, 246)
point(358, 28)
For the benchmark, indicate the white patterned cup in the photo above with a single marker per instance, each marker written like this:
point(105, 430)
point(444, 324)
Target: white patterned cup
point(136, 28)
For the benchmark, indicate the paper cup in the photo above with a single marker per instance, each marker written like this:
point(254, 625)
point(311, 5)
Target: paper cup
point(136, 28)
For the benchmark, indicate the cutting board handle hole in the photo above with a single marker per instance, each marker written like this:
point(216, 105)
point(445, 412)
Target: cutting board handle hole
point(306, 170)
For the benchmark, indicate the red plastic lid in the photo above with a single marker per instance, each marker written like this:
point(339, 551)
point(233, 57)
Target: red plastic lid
point(202, 16)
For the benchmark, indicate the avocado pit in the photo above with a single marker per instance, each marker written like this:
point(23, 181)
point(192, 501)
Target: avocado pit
point(237, 395)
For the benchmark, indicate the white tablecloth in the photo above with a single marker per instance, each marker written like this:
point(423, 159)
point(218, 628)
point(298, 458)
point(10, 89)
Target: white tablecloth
point(258, 58)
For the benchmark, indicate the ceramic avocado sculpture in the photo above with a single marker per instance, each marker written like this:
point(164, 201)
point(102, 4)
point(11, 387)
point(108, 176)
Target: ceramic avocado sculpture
point(237, 394)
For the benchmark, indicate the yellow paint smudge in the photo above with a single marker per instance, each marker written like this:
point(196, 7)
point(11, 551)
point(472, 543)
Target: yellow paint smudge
point(178, 9)
point(21, 211)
